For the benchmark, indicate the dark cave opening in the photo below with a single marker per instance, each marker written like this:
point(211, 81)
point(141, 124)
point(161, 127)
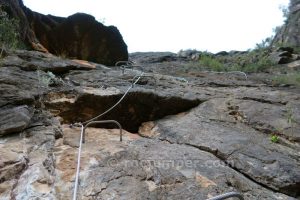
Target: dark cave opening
point(136, 108)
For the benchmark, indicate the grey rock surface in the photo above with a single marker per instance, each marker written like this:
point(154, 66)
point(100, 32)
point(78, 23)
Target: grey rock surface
point(14, 120)
point(18, 87)
point(221, 127)
point(34, 60)
point(184, 137)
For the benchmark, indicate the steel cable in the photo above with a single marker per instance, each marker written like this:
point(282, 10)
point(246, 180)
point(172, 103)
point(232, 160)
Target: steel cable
point(78, 162)
point(137, 77)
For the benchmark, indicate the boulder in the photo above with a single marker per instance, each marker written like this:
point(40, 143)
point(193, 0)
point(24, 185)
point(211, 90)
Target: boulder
point(189, 54)
point(281, 57)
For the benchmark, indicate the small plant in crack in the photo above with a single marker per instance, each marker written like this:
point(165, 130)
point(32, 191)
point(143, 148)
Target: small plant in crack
point(291, 119)
point(48, 79)
point(44, 81)
point(275, 138)
point(290, 116)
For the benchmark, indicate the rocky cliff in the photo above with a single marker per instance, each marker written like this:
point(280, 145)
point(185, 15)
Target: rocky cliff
point(185, 132)
point(183, 138)
point(78, 36)
point(289, 34)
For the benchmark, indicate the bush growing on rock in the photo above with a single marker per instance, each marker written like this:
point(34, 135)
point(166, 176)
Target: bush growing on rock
point(212, 63)
point(287, 79)
point(252, 61)
point(9, 35)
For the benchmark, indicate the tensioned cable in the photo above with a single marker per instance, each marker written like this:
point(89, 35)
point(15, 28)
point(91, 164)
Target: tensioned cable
point(78, 162)
point(82, 140)
point(137, 77)
point(135, 80)
point(228, 195)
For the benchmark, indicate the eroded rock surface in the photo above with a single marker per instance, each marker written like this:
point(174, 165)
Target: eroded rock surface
point(13, 120)
point(221, 127)
point(189, 137)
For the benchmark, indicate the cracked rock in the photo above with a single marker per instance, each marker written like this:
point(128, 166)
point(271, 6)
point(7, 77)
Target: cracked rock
point(14, 120)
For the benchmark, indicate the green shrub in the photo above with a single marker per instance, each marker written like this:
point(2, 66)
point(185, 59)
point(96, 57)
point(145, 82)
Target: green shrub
point(257, 60)
point(209, 62)
point(9, 33)
point(274, 138)
point(287, 79)
point(262, 64)
point(48, 79)
point(252, 61)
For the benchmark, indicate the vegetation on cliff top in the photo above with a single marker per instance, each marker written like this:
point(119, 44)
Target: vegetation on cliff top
point(9, 33)
point(252, 61)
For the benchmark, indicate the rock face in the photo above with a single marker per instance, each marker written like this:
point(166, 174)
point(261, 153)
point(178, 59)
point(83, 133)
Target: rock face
point(289, 33)
point(184, 138)
point(14, 120)
point(77, 36)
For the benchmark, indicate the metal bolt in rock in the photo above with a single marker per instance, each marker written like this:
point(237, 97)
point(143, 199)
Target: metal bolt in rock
point(102, 122)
